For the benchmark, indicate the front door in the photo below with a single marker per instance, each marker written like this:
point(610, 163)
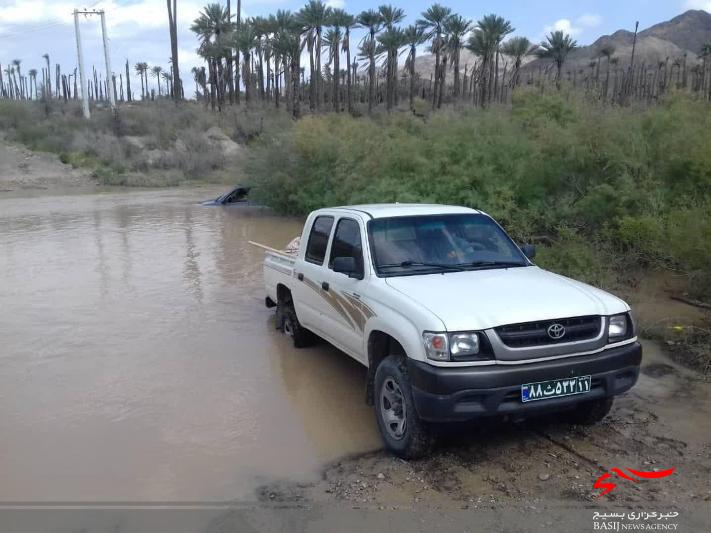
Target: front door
point(348, 314)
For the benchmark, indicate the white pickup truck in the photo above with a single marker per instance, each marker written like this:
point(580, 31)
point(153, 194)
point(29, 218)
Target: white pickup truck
point(452, 319)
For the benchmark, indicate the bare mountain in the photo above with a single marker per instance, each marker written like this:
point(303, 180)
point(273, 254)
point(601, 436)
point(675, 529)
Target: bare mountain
point(680, 36)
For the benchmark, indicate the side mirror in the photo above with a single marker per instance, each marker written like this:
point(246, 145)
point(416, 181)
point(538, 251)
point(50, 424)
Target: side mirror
point(348, 266)
point(528, 250)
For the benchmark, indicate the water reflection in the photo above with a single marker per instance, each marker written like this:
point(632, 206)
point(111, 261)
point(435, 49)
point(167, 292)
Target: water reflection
point(139, 363)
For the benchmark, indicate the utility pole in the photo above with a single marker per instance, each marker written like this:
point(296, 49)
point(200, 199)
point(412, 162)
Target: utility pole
point(80, 57)
point(107, 58)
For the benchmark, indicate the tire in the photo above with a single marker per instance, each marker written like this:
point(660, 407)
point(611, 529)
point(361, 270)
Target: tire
point(590, 413)
point(291, 327)
point(403, 432)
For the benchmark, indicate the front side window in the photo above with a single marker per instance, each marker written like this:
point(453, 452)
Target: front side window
point(347, 242)
point(318, 239)
point(440, 243)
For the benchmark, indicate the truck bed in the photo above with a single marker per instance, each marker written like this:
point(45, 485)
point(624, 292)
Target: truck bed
point(278, 268)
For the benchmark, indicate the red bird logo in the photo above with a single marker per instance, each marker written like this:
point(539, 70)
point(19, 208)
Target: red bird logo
point(608, 486)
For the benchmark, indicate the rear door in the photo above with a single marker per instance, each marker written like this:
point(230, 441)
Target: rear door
point(309, 300)
point(346, 314)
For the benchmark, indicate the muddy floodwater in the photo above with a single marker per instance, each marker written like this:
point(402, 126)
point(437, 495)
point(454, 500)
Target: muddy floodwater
point(139, 363)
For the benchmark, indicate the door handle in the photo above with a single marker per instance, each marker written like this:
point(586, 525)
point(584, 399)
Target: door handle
point(300, 276)
point(324, 285)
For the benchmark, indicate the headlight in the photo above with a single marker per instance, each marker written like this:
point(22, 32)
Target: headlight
point(619, 327)
point(458, 346)
point(463, 344)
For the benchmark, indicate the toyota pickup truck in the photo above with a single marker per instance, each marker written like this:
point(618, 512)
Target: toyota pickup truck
point(452, 319)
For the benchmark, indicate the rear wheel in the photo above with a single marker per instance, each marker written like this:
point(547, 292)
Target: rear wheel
point(291, 327)
point(402, 430)
point(589, 413)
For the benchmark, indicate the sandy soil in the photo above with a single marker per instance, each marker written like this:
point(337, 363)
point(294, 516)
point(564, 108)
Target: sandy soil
point(25, 172)
point(542, 466)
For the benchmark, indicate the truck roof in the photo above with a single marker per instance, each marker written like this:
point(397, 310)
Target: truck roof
point(403, 210)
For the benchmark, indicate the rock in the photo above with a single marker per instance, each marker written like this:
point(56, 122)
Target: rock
point(544, 476)
point(380, 475)
point(216, 134)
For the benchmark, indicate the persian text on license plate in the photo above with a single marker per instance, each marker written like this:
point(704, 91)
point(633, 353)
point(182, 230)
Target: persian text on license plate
point(555, 388)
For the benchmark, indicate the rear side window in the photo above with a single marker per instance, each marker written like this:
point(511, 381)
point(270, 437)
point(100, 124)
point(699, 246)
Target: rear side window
point(318, 240)
point(346, 242)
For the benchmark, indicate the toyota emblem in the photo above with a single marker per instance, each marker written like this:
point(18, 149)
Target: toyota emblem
point(556, 331)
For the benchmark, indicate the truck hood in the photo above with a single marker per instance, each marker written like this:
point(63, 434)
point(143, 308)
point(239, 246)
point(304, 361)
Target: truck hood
point(482, 299)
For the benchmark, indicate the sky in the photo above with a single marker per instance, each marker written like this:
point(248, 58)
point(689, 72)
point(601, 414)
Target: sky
point(138, 29)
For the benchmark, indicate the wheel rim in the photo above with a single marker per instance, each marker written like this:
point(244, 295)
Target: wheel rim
point(392, 409)
point(288, 327)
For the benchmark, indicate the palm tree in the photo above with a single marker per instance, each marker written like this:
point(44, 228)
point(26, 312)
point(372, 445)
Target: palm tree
point(341, 19)
point(156, 72)
point(168, 83)
point(705, 51)
point(607, 51)
point(20, 90)
point(455, 28)
point(518, 48)
point(413, 36)
point(332, 43)
point(244, 40)
point(287, 44)
point(173, 28)
point(49, 77)
point(371, 20)
point(141, 69)
point(390, 16)
point(314, 16)
point(213, 28)
point(33, 79)
point(495, 29)
point(389, 43)
point(433, 20)
point(557, 46)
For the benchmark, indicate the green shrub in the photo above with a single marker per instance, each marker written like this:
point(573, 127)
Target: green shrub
point(615, 189)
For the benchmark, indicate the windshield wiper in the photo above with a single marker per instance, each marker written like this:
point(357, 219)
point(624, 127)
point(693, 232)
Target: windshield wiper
point(503, 264)
point(408, 264)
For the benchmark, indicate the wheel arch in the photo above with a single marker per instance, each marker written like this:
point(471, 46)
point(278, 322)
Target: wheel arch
point(379, 346)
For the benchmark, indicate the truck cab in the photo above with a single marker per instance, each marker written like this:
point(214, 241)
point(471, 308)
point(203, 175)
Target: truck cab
point(452, 318)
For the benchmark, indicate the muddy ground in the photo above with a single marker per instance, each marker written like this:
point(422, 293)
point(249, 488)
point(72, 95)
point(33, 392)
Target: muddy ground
point(25, 172)
point(664, 422)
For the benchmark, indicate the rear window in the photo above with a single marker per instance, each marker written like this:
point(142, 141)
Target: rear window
point(318, 239)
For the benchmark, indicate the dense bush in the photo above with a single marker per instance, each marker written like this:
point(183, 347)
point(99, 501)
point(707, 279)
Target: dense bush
point(612, 188)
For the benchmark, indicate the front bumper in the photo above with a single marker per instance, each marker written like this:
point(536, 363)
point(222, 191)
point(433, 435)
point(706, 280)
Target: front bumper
point(464, 393)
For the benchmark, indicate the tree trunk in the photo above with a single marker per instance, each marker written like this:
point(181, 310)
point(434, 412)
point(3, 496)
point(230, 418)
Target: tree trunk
point(436, 74)
point(172, 23)
point(349, 80)
point(312, 81)
point(413, 51)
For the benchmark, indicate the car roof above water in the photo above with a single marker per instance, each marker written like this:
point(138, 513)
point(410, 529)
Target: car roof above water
point(403, 210)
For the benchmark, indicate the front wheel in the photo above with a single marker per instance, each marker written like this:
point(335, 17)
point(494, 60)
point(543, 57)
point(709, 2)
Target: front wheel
point(402, 430)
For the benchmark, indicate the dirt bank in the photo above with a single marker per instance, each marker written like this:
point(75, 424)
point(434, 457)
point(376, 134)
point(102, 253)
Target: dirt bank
point(664, 422)
point(25, 172)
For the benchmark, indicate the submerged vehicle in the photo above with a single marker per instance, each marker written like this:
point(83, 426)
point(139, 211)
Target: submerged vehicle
point(452, 319)
point(238, 195)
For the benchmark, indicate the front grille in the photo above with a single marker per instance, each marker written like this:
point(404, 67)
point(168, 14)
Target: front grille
point(536, 333)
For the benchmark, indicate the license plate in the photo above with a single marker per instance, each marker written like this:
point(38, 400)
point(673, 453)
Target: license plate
point(555, 388)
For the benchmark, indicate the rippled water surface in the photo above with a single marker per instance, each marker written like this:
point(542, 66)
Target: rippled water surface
point(138, 362)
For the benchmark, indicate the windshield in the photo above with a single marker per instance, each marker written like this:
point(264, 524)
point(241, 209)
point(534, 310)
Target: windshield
point(440, 243)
